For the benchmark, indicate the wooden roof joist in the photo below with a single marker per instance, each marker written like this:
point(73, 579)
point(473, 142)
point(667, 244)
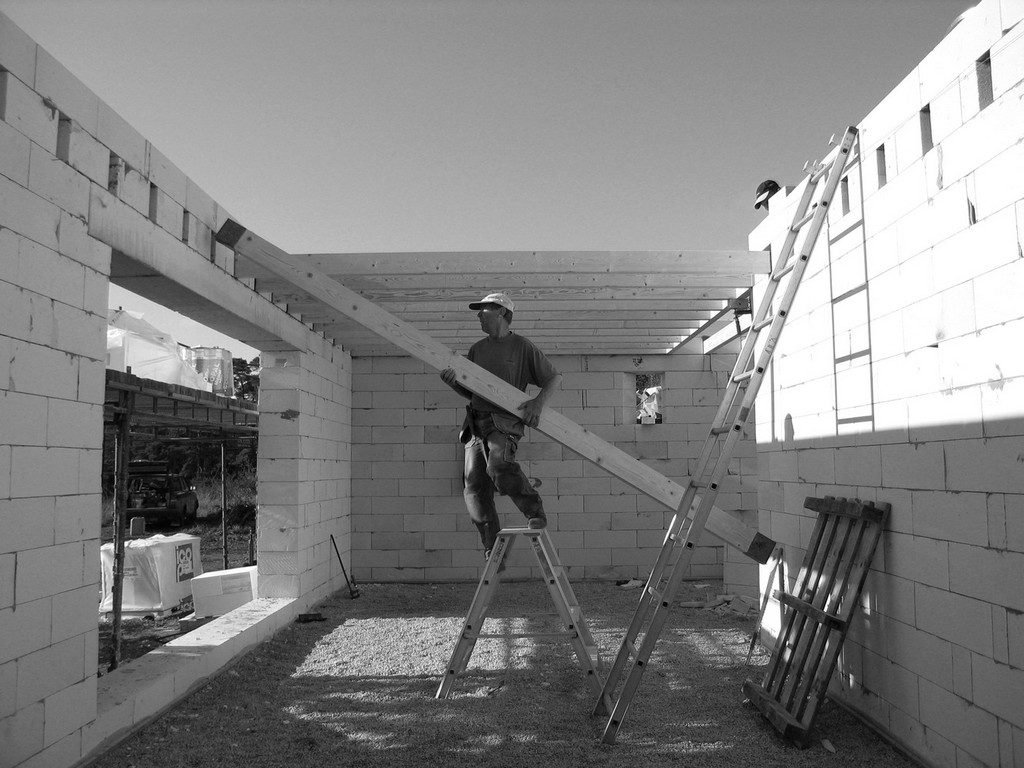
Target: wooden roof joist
point(347, 303)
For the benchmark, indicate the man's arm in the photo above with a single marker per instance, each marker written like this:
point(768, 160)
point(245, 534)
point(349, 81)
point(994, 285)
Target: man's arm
point(532, 408)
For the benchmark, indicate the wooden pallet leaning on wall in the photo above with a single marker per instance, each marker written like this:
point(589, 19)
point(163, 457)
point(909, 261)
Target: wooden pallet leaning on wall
point(818, 613)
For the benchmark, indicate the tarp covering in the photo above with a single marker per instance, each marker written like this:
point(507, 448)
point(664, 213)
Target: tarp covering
point(149, 352)
point(158, 574)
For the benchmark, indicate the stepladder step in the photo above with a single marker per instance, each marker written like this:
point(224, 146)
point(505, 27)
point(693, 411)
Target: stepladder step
point(567, 609)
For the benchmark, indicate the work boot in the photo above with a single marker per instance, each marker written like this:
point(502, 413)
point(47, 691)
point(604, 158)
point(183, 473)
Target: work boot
point(538, 522)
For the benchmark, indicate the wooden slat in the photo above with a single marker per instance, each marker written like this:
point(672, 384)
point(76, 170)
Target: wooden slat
point(480, 381)
point(532, 262)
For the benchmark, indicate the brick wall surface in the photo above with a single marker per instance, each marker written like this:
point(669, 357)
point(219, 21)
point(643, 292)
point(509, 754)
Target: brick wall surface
point(76, 183)
point(409, 519)
point(898, 378)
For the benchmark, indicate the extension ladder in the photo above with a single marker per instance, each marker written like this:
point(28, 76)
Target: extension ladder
point(564, 598)
point(688, 523)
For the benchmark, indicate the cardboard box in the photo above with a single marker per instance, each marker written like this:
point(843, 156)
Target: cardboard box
point(217, 592)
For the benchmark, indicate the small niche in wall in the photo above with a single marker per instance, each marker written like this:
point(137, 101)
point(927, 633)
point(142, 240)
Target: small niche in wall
point(880, 165)
point(983, 71)
point(926, 128)
point(649, 392)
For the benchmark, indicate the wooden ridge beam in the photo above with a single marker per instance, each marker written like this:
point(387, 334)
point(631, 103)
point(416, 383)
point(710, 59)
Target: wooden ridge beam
point(421, 346)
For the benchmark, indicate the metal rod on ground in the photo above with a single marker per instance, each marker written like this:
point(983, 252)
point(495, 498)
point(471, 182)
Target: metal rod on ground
point(223, 505)
point(353, 592)
point(122, 452)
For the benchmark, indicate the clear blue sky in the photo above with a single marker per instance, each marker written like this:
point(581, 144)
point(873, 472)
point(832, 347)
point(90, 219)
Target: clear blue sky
point(369, 125)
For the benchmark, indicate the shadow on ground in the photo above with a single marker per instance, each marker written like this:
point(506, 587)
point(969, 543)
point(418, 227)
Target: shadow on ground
point(358, 690)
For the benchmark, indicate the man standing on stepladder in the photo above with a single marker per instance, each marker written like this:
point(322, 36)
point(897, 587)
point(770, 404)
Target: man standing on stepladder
point(491, 434)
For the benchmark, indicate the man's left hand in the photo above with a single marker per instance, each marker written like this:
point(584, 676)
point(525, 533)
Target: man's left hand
point(531, 412)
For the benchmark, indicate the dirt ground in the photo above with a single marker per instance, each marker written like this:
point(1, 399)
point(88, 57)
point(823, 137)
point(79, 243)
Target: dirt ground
point(141, 635)
point(357, 689)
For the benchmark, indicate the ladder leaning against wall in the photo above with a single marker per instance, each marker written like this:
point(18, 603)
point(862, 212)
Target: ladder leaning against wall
point(712, 465)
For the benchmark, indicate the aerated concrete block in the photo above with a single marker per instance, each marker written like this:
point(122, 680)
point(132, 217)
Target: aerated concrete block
point(24, 110)
point(54, 180)
point(14, 154)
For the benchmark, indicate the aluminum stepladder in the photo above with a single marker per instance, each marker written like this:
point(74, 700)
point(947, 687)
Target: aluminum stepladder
point(688, 523)
point(566, 604)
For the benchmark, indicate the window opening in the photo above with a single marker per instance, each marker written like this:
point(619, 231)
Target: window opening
point(649, 387)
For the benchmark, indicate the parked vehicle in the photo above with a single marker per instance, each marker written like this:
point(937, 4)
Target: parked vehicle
point(157, 495)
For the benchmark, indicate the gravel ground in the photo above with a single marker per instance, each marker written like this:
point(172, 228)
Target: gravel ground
point(358, 690)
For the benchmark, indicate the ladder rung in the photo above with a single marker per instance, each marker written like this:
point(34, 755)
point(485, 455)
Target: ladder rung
point(743, 376)
point(776, 276)
point(798, 225)
point(719, 430)
point(821, 170)
point(763, 324)
point(509, 635)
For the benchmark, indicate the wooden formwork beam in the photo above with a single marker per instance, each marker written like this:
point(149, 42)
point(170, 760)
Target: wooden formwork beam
point(350, 304)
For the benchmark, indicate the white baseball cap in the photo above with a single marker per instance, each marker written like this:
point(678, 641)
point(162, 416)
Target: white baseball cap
point(494, 298)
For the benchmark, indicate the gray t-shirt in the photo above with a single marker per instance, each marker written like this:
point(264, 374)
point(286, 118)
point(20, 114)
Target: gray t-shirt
point(513, 358)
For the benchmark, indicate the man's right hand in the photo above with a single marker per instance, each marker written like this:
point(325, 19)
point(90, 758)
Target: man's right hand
point(448, 376)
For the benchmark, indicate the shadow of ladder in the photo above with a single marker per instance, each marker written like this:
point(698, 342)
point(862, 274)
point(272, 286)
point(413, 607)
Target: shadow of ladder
point(566, 604)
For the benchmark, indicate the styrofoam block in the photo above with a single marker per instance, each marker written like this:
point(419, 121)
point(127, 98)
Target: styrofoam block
point(56, 181)
point(959, 49)
point(14, 154)
point(985, 357)
point(960, 517)
point(23, 109)
point(54, 82)
point(47, 273)
point(24, 418)
point(28, 214)
point(901, 104)
point(169, 212)
point(983, 137)
point(127, 143)
point(999, 689)
point(995, 293)
point(87, 155)
point(215, 593)
point(969, 727)
point(167, 176)
point(50, 670)
point(1002, 407)
point(200, 204)
point(999, 182)
point(42, 371)
point(944, 215)
point(915, 466)
point(988, 465)
point(946, 415)
point(134, 191)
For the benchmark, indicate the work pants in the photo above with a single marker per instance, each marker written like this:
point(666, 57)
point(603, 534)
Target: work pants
point(491, 466)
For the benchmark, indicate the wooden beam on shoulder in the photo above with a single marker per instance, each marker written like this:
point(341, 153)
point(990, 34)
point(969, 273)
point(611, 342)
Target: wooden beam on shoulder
point(474, 378)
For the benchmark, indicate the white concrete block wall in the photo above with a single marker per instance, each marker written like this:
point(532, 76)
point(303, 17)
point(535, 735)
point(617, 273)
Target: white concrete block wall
point(304, 471)
point(75, 179)
point(933, 660)
point(408, 516)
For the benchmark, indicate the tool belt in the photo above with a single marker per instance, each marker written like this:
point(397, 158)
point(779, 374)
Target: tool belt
point(506, 423)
